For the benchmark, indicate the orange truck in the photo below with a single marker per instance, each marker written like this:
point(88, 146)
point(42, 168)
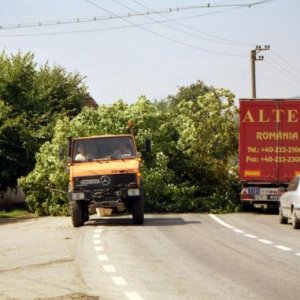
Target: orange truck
point(269, 149)
point(104, 173)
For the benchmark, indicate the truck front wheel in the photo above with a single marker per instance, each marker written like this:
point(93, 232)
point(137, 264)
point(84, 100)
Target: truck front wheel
point(138, 211)
point(86, 214)
point(77, 213)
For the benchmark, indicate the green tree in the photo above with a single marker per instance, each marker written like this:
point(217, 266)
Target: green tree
point(208, 138)
point(188, 93)
point(187, 170)
point(31, 99)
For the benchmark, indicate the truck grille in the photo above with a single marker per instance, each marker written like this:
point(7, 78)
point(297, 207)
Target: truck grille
point(104, 181)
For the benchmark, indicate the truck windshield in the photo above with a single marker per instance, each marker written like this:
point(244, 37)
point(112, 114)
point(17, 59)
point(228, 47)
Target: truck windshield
point(101, 148)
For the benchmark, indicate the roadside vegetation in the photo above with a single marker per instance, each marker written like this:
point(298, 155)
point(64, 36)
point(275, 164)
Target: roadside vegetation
point(32, 98)
point(192, 164)
point(18, 213)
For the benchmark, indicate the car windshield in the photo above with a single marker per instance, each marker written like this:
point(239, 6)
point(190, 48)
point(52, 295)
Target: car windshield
point(103, 148)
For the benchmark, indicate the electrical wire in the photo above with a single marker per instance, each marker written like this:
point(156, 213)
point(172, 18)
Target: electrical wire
point(118, 16)
point(287, 74)
point(111, 28)
point(169, 38)
point(131, 24)
point(208, 37)
point(285, 61)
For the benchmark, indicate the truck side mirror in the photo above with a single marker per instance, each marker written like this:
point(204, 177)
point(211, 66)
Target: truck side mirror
point(148, 145)
point(61, 152)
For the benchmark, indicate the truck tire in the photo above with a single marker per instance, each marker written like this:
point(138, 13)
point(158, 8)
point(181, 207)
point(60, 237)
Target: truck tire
point(282, 219)
point(138, 211)
point(295, 221)
point(85, 211)
point(77, 213)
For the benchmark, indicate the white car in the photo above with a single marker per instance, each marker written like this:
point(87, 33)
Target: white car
point(289, 206)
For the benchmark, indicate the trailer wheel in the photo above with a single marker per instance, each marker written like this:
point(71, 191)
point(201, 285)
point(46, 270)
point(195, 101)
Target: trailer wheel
point(77, 213)
point(282, 218)
point(295, 221)
point(138, 211)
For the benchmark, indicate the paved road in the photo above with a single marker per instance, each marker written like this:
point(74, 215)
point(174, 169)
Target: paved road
point(176, 256)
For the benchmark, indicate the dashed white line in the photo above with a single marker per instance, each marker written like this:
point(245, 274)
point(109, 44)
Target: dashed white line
point(265, 241)
point(133, 296)
point(251, 236)
point(98, 248)
point(109, 268)
point(220, 221)
point(102, 257)
point(283, 248)
point(120, 281)
point(238, 230)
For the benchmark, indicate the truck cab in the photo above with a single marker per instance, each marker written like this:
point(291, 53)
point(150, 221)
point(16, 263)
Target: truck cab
point(104, 173)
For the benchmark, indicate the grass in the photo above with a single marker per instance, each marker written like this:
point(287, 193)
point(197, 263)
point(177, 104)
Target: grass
point(17, 213)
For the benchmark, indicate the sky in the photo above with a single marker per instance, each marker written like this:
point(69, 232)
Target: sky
point(124, 57)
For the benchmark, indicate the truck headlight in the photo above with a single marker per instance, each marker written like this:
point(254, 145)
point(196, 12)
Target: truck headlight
point(77, 196)
point(133, 192)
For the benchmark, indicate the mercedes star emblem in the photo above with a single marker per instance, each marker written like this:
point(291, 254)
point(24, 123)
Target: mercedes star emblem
point(105, 180)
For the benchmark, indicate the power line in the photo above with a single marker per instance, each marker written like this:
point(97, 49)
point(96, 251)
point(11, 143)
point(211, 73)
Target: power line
point(113, 27)
point(96, 18)
point(287, 74)
point(131, 24)
point(170, 38)
point(286, 62)
point(123, 16)
point(180, 23)
point(209, 37)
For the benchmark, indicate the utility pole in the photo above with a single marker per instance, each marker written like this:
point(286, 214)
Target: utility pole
point(254, 57)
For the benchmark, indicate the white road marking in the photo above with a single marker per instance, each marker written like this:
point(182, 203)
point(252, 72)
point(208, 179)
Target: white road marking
point(109, 268)
point(98, 230)
point(97, 242)
point(133, 296)
point(283, 248)
point(98, 248)
point(238, 230)
point(102, 257)
point(96, 236)
point(220, 221)
point(251, 236)
point(120, 281)
point(265, 241)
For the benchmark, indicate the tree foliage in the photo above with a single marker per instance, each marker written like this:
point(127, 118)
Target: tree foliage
point(194, 146)
point(31, 98)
